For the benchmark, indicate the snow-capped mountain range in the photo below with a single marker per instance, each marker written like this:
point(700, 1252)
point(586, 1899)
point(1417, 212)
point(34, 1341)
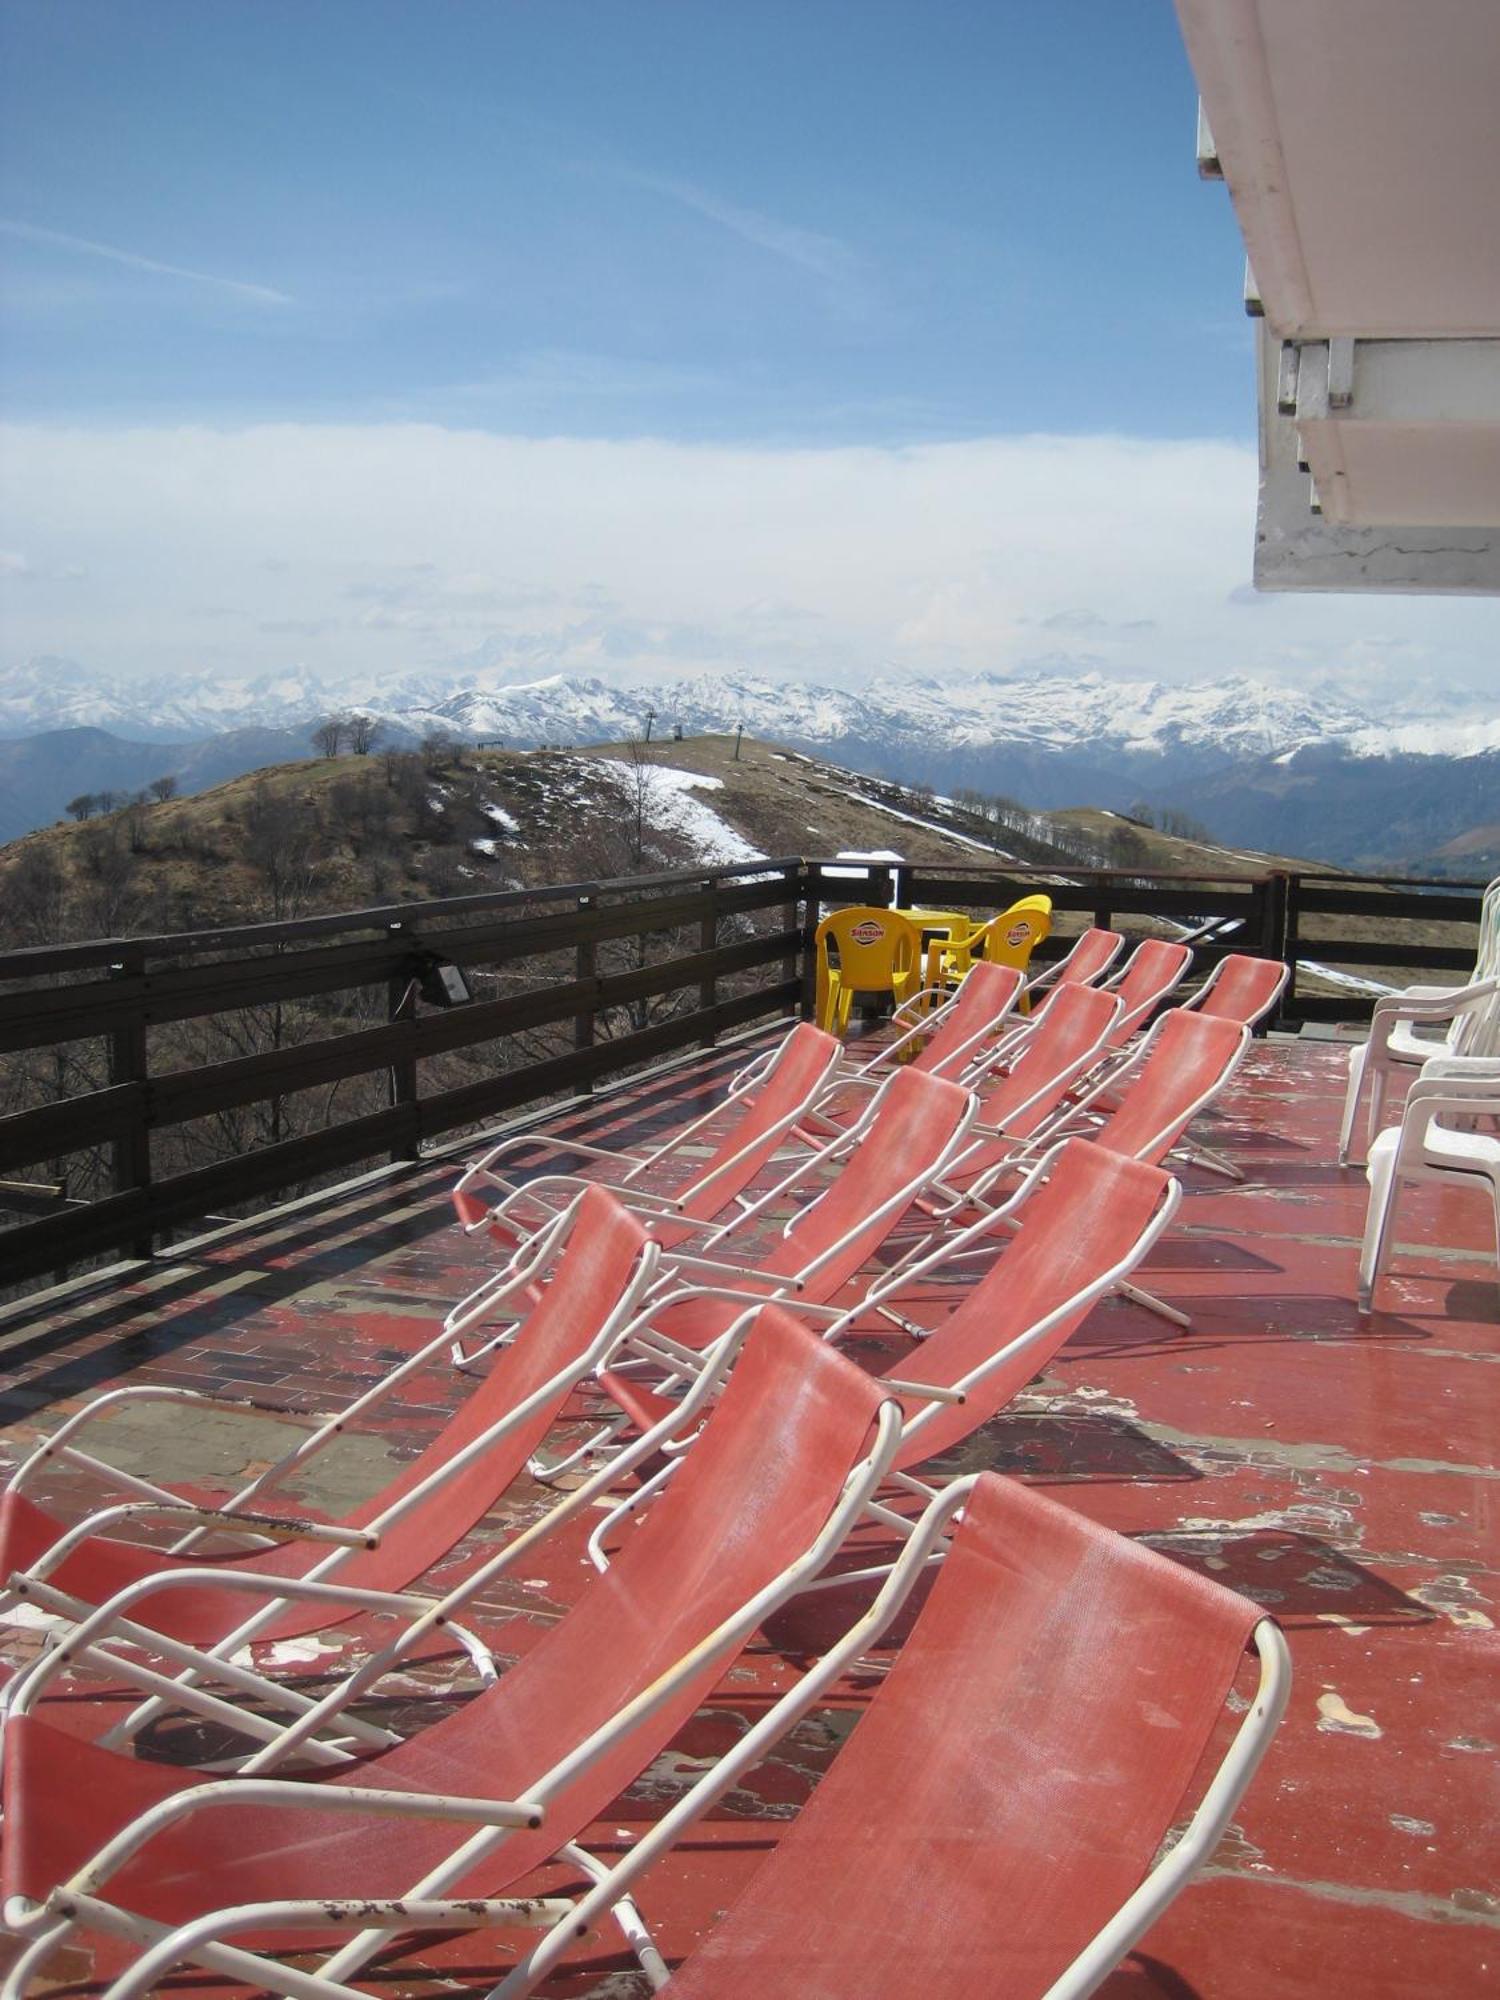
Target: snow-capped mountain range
point(1259, 764)
point(1225, 720)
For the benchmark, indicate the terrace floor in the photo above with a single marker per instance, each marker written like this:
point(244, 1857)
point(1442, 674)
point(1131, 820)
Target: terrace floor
point(1343, 1473)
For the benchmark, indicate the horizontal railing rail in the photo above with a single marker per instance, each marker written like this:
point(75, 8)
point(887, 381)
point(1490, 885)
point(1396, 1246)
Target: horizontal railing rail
point(596, 978)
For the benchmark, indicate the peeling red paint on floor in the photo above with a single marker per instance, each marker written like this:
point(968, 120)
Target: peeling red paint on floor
point(1343, 1472)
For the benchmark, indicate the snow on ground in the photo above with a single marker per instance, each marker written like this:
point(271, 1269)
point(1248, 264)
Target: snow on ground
point(673, 809)
point(1348, 979)
point(927, 826)
point(500, 816)
point(488, 848)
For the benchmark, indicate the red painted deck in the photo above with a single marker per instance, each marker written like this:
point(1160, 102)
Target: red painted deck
point(1343, 1473)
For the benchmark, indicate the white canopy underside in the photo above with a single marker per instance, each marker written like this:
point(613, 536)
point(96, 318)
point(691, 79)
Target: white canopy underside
point(1360, 140)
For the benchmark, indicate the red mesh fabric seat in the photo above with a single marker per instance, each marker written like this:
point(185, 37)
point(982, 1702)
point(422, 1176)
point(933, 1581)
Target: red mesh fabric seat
point(1187, 1059)
point(1011, 1782)
point(1085, 1219)
point(750, 1498)
point(1050, 1059)
point(805, 1060)
point(916, 1122)
point(984, 998)
point(591, 1273)
point(1155, 967)
point(1241, 988)
point(1092, 956)
point(964, 1028)
point(757, 1122)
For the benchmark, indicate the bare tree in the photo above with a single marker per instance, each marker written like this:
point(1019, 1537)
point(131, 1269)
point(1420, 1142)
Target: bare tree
point(328, 737)
point(34, 893)
point(281, 842)
point(109, 868)
point(440, 750)
point(163, 788)
point(84, 806)
point(136, 823)
point(364, 733)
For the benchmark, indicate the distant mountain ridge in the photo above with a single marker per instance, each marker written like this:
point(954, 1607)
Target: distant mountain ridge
point(1239, 753)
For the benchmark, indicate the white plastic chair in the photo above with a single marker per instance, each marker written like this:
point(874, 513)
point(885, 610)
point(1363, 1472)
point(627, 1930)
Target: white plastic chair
point(1470, 1017)
point(1435, 1141)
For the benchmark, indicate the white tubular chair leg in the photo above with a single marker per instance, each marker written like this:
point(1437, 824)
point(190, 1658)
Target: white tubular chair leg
point(1379, 1217)
point(1357, 1058)
point(1379, 1072)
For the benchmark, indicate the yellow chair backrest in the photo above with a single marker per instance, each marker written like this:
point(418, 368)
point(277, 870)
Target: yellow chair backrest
point(877, 951)
point(1014, 935)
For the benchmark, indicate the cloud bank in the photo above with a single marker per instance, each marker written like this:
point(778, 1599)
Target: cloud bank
point(337, 549)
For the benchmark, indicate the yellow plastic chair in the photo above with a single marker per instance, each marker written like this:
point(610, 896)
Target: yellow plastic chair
point(1008, 939)
point(873, 951)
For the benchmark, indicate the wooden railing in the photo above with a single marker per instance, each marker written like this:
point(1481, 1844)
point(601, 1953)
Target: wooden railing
point(607, 976)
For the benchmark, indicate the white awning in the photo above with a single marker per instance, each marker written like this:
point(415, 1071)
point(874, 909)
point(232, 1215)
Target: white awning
point(1360, 141)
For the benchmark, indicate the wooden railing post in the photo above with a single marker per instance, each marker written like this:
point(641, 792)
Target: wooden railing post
point(708, 940)
point(791, 965)
point(585, 966)
point(1288, 888)
point(131, 1150)
point(812, 902)
point(401, 1008)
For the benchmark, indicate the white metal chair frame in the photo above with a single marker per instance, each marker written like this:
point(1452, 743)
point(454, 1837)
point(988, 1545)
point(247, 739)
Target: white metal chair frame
point(92, 1633)
point(838, 1321)
point(1425, 1147)
point(948, 1199)
point(544, 1190)
point(919, 1019)
point(78, 1901)
point(722, 1273)
point(1202, 1835)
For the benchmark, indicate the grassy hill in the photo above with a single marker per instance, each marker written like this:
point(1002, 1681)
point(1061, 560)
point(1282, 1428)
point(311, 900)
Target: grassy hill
point(345, 832)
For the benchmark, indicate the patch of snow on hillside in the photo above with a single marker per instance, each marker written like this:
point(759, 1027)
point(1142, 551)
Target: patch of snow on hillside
point(673, 809)
point(944, 832)
point(488, 848)
point(500, 816)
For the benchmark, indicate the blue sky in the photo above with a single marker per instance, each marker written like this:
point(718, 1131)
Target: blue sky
point(636, 337)
point(812, 222)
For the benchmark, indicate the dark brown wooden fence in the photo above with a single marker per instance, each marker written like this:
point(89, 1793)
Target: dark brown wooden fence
point(748, 929)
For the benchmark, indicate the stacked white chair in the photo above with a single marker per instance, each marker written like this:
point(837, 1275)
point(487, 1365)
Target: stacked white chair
point(1468, 1017)
point(1438, 1139)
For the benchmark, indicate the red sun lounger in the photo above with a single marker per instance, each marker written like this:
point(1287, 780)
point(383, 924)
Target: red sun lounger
point(992, 1826)
point(897, 1148)
point(1017, 1102)
point(952, 1042)
point(763, 1106)
point(1143, 1108)
point(468, 1808)
point(1086, 964)
point(949, 1039)
point(1152, 970)
point(1083, 1221)
point(1146, 1105)
point(370, 1559)
point(1241, 988)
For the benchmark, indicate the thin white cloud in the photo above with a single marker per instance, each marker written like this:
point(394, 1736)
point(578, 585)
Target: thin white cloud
point(825, 256)
point(29, 232)
point(383, 548)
